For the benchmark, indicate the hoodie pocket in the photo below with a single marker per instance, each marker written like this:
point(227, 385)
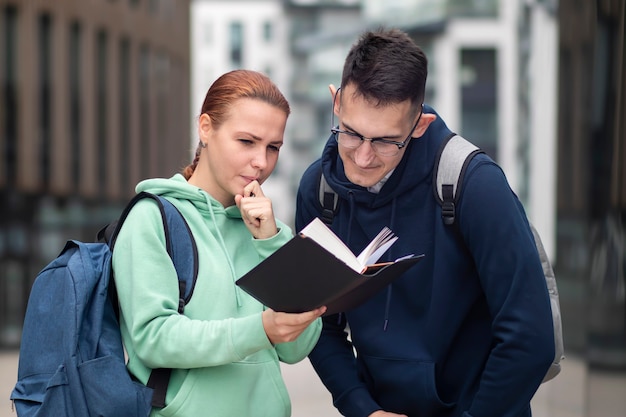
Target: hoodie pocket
point(404, 386)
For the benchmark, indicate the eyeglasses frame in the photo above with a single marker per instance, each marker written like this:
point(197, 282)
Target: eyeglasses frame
point(334, 129)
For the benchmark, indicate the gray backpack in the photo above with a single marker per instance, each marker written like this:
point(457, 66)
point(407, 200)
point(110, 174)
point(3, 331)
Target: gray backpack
point(452, 160)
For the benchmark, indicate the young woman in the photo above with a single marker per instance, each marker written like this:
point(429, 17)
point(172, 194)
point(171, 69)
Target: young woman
point(226, 348)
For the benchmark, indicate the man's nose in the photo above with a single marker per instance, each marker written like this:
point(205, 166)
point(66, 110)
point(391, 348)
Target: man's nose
point(364, 154)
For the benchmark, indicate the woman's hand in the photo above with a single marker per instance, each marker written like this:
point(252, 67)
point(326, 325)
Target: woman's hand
point(256, 211)
point(381, 413)
point(286, 327)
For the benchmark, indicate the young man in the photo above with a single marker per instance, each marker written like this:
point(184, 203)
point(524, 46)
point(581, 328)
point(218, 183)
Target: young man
point(467, 332)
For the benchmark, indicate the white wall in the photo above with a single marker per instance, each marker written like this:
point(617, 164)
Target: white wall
point(543, 154)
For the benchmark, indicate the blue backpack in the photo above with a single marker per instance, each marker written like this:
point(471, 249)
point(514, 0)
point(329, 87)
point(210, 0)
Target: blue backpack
point(71, 359)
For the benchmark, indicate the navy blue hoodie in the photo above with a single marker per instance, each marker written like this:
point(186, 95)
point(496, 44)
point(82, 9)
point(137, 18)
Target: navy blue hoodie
point(465, 332)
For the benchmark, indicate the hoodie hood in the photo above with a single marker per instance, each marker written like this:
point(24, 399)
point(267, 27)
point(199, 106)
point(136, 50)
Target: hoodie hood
point(178, 188)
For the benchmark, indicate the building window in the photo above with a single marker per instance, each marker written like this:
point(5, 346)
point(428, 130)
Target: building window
point(236, 44)
point(144, 111)
point(75, 102)
point(8, 86)
point(45, 96)
point(479, 116)
point(268, 31)
point(163, 97)
point(101, 109)
point(473, 8)
point(124, 113)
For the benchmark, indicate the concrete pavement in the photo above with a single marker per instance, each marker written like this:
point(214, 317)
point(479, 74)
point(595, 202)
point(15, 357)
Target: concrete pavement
point(308, 396)
point(576, 392)
point(8, 375)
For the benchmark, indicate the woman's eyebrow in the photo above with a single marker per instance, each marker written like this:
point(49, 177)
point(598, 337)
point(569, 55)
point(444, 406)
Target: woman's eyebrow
point(260, 139)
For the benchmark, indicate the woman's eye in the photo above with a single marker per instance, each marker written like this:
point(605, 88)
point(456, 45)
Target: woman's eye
point(274, 148)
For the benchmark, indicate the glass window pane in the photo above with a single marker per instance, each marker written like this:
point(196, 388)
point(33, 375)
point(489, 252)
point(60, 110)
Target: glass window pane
point(479, 98)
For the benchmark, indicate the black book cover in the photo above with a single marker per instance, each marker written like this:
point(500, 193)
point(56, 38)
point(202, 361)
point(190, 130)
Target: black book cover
point(302, 275)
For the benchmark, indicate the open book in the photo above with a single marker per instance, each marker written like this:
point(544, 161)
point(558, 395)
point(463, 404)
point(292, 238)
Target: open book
point(366, 261)
point(316, 268)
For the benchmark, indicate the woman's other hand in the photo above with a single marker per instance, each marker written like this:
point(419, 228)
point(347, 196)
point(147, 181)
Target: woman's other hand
point(286, 327)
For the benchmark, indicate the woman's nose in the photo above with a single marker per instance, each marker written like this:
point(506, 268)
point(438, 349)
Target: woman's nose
point(259, 160)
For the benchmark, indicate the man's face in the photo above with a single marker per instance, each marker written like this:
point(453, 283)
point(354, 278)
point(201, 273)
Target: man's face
point(363, 166)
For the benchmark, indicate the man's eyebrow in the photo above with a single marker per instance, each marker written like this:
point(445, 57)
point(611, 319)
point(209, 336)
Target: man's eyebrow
point(378, 137)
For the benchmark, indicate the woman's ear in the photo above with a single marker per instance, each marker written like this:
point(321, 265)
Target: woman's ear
point(204, 127)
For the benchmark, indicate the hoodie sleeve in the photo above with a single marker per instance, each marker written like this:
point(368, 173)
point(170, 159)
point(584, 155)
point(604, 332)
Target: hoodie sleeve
point(294, 352)
point(496, 230)
point(333, 358)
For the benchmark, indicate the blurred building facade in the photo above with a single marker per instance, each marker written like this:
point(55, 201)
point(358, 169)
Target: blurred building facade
point(539, 84)
point(591, 196)
point(93, 94)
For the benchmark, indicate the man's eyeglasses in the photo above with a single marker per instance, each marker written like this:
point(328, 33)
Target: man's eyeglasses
point(381, 146)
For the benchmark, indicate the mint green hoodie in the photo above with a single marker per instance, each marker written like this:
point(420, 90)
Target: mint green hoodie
point(224, 363)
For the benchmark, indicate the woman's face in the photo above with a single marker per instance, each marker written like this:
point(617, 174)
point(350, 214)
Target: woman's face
point(243, 149)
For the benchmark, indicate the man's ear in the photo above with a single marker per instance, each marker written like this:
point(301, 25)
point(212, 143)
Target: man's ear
point(333, 90)
point(425, 121)
point(335, 94)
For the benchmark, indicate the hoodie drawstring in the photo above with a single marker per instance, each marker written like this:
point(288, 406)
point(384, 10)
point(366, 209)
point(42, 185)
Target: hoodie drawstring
point(226, 255)
point(389, 288)
point(350, 218)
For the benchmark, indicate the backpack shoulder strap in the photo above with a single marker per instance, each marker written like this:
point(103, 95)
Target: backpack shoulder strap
point(328, 200)
point(181, 246)
point(179, 241)
point(452, 160)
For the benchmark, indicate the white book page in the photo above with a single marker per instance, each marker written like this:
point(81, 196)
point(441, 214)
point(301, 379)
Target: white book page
point(325, 237)
point(379, 252)
point(377, 247)
point(320, 233)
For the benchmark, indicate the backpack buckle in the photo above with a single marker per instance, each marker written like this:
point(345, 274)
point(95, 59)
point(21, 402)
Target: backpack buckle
point(327, 216)
point(448, 212)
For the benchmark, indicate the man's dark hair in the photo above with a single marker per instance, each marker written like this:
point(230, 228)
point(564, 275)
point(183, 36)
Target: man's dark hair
point(386, 67)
